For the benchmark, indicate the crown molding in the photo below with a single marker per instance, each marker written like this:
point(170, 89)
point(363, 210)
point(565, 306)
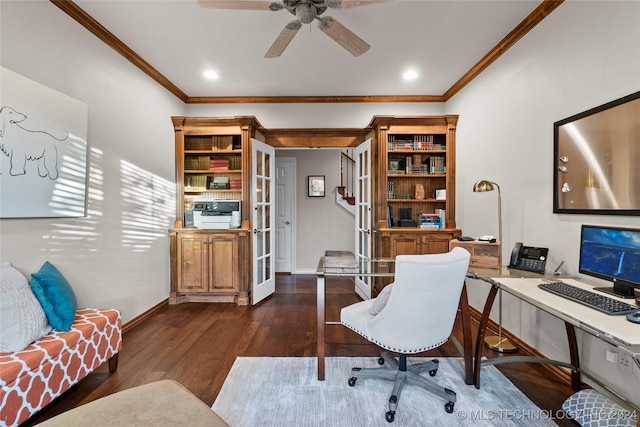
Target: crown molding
point(534, 18)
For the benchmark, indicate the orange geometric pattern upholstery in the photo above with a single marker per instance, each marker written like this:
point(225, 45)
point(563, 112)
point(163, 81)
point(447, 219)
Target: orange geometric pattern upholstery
point(32, 378)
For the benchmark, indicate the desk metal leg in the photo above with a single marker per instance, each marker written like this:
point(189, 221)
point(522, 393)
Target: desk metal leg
point(466, 336)
point(481, 332)
point(320, 290)
point(573, 353)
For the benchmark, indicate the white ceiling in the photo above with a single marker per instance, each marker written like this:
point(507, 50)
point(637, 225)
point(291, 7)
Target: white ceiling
point(441, 40)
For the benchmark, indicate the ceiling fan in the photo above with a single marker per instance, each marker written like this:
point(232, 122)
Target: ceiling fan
point(305, 12)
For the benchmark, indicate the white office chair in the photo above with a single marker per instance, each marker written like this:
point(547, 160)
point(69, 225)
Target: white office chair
point(414, 314)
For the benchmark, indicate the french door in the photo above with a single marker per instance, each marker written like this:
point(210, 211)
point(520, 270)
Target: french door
point(263, 191)
point(362, 176)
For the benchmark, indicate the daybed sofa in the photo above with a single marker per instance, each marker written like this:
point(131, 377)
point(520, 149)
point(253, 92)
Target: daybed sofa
point(40, 358)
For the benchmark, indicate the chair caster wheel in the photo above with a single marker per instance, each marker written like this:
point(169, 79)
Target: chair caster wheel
point(352, 381)
point(390, 416)
point(433, 372)
point(449, 407)
point(380, 361)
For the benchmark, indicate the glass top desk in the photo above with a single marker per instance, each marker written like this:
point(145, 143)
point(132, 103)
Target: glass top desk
point(345, 264)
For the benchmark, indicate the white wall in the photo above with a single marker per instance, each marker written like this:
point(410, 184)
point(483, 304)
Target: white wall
point(117, 256)
point(321, 224)
point(583, 55)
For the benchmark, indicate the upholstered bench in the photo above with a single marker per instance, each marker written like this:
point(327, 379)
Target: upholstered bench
point(159, 404)
point(30, 379)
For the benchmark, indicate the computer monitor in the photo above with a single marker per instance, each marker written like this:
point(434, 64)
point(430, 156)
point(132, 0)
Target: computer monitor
point(613, 254)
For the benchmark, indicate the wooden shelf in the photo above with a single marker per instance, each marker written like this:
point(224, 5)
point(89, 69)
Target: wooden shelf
point(212, 171)
point(417, 175)
point(238, 151)
point(428, 200)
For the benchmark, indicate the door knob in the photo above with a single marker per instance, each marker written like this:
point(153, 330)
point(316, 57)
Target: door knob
point(287, 222)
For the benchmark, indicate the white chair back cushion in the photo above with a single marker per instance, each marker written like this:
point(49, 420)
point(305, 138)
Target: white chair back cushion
point(422, 307)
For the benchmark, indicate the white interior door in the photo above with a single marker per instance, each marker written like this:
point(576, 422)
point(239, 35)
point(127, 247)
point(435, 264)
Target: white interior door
point(362, 176)
point(263, 189)
point(285, 224)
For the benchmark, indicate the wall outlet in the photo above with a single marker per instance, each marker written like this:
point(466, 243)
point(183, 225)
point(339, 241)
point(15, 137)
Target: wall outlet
point(625, 362)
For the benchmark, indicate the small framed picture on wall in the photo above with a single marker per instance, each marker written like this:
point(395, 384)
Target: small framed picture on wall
point(316, 185)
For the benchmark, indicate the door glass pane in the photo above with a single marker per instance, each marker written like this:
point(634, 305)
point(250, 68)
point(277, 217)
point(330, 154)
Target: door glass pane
point(267, 165)
point(267, 215)
point(267, 270)
point(259, 244)
point(260, 270)
point(267, 242)
point(267, 191)
point(259, 185)
point(259, 163)
point(259, 218)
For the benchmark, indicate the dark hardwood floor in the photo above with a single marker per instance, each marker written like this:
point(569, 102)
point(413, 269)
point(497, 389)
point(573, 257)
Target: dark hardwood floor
point(197, 343)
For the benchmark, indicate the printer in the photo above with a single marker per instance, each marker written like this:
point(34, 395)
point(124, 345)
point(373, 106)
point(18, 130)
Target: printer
point(216, 214)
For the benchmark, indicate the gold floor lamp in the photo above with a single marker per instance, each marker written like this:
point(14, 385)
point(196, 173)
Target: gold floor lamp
point(497, 343)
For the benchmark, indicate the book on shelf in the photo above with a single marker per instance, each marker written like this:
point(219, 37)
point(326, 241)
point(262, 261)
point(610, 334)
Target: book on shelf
point(430, 220)
point(195, 182)
point(219, 164)
point(220, 183)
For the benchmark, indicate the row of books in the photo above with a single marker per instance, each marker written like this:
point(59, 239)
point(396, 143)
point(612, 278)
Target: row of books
point(208, 163)
point(214, 142)
point(437, 165)
point(412, 145)
point(432, 220)
point(204, 182)
point(430, 165)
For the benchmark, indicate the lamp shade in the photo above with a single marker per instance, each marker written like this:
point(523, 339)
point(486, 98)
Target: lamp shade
point(482, 186)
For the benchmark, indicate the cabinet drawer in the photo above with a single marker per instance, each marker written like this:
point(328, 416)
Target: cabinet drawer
point(483, 254)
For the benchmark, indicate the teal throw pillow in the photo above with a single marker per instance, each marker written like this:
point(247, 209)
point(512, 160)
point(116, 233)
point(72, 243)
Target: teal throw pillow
point(55, 296)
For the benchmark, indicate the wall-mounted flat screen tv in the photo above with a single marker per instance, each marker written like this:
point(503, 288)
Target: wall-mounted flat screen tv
point(597, 160)
point(613, 254)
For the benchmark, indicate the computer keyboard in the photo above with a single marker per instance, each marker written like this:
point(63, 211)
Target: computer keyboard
point(593, 300)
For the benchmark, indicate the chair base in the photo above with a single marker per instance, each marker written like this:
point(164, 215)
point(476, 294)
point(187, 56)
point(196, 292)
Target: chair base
point(401, 374)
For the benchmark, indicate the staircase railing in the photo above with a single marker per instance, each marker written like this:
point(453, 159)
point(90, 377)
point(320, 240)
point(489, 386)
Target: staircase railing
point(347, 173)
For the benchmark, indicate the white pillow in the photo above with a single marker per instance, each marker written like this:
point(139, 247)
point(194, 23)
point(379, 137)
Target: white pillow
point(22, 319)
point(381, 300)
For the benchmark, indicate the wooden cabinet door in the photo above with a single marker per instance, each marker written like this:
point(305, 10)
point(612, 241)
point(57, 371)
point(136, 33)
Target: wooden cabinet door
point(436, 243)
point(223, 256)
point(405, 244)
point(192, 263)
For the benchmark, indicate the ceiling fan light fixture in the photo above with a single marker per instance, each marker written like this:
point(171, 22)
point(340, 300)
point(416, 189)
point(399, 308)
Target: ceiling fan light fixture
point(306, 12)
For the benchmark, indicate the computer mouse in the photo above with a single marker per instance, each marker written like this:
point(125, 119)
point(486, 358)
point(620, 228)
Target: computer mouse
point(634, 317)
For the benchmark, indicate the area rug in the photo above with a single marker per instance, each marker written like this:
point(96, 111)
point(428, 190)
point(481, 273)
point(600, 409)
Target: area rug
point(284, 391)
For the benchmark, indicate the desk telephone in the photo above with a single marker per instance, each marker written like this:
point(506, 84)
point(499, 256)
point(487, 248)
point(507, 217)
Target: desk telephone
point(528, 258)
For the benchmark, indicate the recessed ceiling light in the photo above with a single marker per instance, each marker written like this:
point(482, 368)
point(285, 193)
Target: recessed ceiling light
point(211, 75)
point(410, 75)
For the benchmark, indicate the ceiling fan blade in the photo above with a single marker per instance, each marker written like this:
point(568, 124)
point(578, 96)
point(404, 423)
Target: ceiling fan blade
point(343, 36)
point(346, 4)
point(235, 4)
point(284, 38)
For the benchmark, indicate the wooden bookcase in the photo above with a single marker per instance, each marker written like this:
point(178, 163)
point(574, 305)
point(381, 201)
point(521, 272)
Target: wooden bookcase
point(411, 151)
point(213, 161)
